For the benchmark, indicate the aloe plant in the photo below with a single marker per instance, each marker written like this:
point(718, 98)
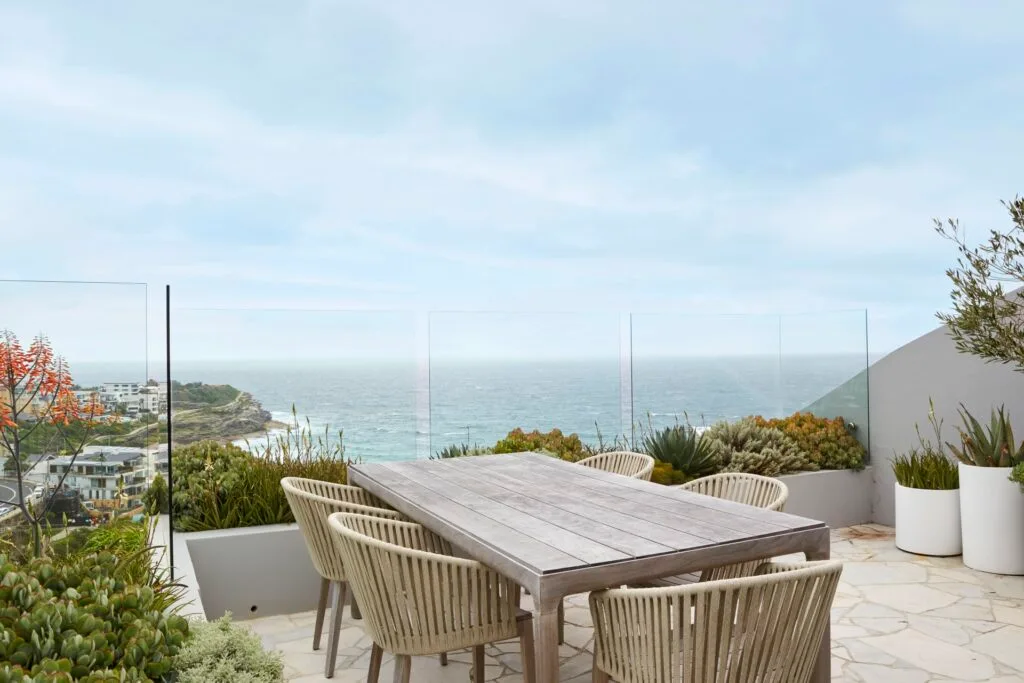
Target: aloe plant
point(987, 446)
point(684, 448)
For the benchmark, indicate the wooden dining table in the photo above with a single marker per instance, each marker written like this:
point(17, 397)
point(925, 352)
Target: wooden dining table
point(559, 529)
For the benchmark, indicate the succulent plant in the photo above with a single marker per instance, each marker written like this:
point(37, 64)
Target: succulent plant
point(684, 448)
point(987, 446)
point(80, 620)
point(746, 446)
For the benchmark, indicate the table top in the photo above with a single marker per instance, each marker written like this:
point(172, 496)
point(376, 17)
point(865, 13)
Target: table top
point(531, 514)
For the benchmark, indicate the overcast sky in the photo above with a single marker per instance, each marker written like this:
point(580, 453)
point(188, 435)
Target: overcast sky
point(582, 155)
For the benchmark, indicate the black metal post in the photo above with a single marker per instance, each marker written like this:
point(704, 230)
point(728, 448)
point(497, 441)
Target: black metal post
point(170, 460)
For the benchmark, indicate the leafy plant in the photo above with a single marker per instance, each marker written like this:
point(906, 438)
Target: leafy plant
point(828, 443)
point(664, 473)
point(83, 621)
point(986, 320)
point(926, 470)
point(223, 651)
point(684, 448)
point(1017, 475)
point(746, 446)
point(222, 486)
point(987, 446)
point(156, 499)
point(555, 442)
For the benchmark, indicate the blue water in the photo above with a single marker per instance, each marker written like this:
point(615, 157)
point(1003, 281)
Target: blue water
point(392, 411)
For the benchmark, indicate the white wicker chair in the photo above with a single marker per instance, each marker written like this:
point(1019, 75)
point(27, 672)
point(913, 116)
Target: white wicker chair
point(739, 487)
point(766, 627)
point(417, 599)
point(312, 502)
point(626, 463)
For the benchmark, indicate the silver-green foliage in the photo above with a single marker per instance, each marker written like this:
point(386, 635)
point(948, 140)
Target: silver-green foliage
point(222, 651)
point(745, 446)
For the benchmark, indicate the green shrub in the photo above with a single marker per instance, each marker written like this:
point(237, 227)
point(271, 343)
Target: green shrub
point(156, 499)
point(221, 651)
point(684, 449)
point(664, 473)
point(747, 446)
point(827, 442)
point(554, 442)
point(83, 621)
point(926, 470)
point(222, 486)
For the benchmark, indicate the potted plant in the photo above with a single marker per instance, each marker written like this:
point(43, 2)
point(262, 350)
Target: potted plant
point(927, 503)
point(991, 504)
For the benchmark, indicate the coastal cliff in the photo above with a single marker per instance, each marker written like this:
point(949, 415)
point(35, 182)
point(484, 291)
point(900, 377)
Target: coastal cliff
point(240, 417)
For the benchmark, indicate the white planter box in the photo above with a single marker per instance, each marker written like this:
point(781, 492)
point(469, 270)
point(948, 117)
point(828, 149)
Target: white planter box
point(928, 521)
point(839, 498)
point(992, 520)
point(251, 572)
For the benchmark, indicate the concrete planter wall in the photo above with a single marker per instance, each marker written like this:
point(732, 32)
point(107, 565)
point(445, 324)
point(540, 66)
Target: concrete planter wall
point(251, 572)
point(837, 497)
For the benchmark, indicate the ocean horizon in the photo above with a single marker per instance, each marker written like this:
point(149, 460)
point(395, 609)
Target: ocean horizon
point(397, 410)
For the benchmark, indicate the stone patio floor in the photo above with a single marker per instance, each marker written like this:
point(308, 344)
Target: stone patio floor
point(896, 617)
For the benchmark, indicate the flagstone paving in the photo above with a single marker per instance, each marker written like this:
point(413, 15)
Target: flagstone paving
point(897, 618)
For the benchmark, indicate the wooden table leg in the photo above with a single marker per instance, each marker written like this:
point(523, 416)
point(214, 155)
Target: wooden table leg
point(545, 621)
point(822, 550)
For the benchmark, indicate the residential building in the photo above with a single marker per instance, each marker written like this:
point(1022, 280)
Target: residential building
point(123, 395)
point(100, 473)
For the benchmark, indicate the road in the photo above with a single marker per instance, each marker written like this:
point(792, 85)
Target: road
point(9, 490)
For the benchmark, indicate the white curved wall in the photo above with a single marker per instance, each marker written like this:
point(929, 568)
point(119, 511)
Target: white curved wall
point(902, 382)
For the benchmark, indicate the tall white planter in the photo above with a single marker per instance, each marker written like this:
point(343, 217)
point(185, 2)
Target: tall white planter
point(992, 520)
point(928, 521)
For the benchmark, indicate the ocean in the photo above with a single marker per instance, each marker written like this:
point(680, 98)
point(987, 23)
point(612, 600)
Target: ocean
point(397, 411)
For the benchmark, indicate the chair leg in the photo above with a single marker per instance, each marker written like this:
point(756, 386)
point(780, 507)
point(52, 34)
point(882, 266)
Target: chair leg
point(338, 604)
point(478, 664)
point(403, 667)
point(561, 622)
point(525, 627)
point(598, 676)
point(321, 610)
point(444, 658)
point(376, 654)
point(354, 606)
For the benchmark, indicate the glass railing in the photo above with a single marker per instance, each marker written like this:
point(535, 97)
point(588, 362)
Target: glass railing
point(491, 373)
point(349, 377)
point(825, 367)
point(99, 337)
point(704, 368)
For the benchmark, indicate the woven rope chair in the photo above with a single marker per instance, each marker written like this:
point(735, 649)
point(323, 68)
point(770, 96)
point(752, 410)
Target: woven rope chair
point(766, 627)
point(626, 463)
point(739, 487)
point(417, 599)
point(312, 502)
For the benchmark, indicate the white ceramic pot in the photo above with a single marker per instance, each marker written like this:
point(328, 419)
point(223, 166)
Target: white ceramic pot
point(927, 521)
point(992, 520)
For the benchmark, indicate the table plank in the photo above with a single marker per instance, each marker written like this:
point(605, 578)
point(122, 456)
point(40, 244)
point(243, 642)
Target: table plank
point(513, 553)
point(472, 493)
point(589, 521)
point(680, 510)
point(721, 508)
point(622, 514)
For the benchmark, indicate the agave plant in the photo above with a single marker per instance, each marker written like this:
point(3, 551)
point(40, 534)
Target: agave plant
point(682, 447)
point(987, 446)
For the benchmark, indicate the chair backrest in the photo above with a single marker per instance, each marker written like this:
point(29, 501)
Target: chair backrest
point(760, 628)
point(626, 463)
point(739, 487)
point(414, 596)
point(312, 502)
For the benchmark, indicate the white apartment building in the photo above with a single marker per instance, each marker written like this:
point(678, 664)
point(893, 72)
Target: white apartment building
point(98, 471)
point(126, 394)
